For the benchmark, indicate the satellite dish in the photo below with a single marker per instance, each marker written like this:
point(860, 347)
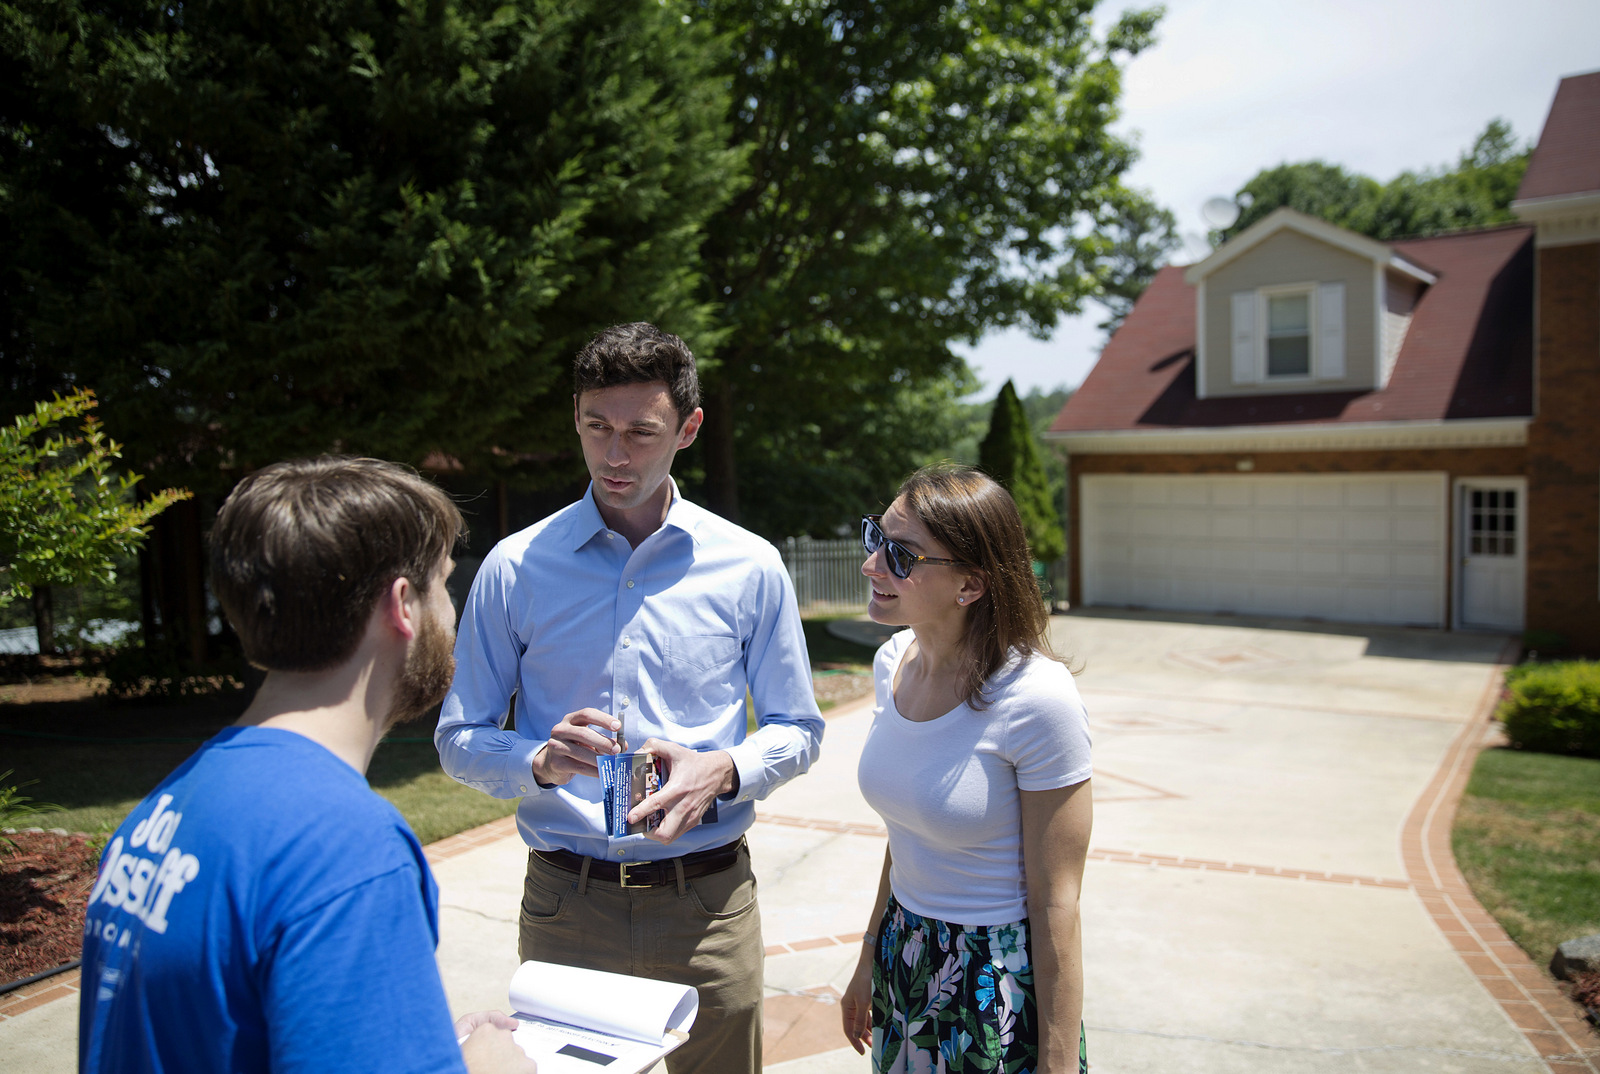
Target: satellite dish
point(1220, 213)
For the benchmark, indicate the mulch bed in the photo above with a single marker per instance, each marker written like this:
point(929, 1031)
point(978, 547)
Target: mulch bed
point(44, 884)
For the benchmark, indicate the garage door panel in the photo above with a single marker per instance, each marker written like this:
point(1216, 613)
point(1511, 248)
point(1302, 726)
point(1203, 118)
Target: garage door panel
point(1279, 559)
point(1354, 547)
point(1233, 525)
point(1420, 567)
point(1275, 525)
point(1368, 529)
point(1322, 526)
point(1321, 494)
point(1276, 494)
point(1323, 562)
point(1235, 560)
point(1366, 494)
point(1228, 493)
point(1417, 528)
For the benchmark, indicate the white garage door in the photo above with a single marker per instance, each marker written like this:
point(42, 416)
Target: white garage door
point(1365, 548)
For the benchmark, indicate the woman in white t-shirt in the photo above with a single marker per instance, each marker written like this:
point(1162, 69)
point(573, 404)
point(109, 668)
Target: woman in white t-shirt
point(978, 761)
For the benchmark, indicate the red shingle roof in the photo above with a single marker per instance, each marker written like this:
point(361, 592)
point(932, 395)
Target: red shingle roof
point(1468, 353)
point(1567, 159)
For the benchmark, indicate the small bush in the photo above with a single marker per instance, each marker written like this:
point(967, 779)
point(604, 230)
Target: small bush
point(16, 808)
point(1554, 708)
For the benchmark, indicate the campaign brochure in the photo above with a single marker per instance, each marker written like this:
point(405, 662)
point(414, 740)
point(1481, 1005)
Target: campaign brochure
point(625, 780)
point(577, 1021)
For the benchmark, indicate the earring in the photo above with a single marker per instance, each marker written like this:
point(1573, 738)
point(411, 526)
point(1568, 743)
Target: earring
point(961, 600)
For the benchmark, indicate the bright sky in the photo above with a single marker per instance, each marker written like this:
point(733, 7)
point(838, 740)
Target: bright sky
point(1377, 86)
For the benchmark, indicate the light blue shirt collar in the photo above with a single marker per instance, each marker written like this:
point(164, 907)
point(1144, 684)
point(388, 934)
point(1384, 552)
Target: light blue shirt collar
point(587, 523)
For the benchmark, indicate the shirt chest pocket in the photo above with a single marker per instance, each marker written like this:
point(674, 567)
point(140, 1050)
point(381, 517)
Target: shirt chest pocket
point(703, 675)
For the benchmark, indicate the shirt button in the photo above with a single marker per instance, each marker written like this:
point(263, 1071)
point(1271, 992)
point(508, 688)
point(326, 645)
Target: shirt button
point(523, 788)
point(630, 583)
point(625, 642)
point(624, 702)
point(620, 853)
point(610, 536)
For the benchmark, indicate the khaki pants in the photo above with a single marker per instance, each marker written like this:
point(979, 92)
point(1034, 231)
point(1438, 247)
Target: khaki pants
point(704, 932)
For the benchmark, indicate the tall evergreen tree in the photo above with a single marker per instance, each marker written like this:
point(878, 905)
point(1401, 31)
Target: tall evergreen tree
point(270, 228)
point(1010, 456)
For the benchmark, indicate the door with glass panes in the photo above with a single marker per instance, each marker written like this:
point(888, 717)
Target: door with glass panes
point(1491, 549)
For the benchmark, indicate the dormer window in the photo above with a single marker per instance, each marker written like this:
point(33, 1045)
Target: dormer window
point(1289, 332)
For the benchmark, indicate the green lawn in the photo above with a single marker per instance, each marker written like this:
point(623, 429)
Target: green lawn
point(103, 758)
point(98, 758)
point(1527, 837)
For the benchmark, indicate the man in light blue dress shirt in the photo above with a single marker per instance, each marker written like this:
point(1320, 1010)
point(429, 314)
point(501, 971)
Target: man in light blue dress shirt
point(635, 617)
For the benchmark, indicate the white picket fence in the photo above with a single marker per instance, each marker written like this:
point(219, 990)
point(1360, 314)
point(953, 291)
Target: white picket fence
point(826, 574)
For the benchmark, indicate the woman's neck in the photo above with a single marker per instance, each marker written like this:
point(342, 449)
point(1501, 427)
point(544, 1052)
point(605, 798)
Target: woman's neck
point(940, 646)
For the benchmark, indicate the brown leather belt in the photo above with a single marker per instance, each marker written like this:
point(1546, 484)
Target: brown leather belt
point(646, 874)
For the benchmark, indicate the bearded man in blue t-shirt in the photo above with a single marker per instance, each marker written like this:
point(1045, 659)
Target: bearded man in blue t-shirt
point(263, 909)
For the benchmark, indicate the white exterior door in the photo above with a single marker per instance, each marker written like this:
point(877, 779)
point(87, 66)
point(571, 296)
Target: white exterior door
point(1366, 548)
point(1490, 536)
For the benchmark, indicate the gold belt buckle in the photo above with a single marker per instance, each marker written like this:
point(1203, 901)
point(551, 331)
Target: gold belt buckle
point(622, 873)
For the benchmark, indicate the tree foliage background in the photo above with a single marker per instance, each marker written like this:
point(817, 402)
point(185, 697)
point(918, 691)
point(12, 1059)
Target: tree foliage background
point(1476, 192)
point(273, 228)
point(268, 229)
point(921, 173)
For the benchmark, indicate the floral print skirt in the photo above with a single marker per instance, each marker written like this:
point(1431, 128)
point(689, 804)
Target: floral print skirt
point(954, 999)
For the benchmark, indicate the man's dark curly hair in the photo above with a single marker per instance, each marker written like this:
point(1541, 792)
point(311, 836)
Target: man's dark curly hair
point(639, 353)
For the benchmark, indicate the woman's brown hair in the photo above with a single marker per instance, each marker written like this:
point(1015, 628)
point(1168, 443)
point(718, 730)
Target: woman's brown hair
point(976, 519)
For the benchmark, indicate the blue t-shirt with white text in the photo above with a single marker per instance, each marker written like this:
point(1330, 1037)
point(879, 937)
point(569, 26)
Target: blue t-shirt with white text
point(263, 910)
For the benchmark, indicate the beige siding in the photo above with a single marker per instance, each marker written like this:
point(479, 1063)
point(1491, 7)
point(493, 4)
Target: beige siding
point(1287, 258)
point(1400, 295)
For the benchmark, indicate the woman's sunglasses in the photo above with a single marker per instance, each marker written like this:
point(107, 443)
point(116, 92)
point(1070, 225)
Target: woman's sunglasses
point(899, 558)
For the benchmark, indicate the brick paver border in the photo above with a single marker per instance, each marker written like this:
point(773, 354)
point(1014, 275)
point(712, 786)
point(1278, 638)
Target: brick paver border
point(471, 839)
point(1548, 1019)
point(26, 998)
point(1169, 861)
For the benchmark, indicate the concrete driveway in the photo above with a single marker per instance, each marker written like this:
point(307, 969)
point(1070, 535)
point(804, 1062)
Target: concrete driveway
point(1269, 885)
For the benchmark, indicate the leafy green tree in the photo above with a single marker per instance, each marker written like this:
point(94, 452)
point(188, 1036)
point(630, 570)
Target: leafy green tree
point(921, 172)
point(1010, 455)
point(1138, 235)
point(1312, 187)
point(65, 519)
point(1476, 192)
point(270, 229)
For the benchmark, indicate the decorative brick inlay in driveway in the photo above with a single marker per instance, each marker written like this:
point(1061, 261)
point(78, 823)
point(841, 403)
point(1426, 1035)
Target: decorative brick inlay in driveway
point(1228, 658)
point(1550, 1021)
point(1133, 857)
point(26, 998)
point(471, 839)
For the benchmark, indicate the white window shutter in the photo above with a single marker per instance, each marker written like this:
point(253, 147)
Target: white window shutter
point(1330, 330)
point(1244, 337)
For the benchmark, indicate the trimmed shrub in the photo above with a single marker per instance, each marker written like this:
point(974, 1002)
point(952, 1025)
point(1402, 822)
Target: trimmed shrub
point(1554, 708)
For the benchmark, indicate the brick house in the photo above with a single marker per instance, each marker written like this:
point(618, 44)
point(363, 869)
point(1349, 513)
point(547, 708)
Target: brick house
point(1310, 423)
